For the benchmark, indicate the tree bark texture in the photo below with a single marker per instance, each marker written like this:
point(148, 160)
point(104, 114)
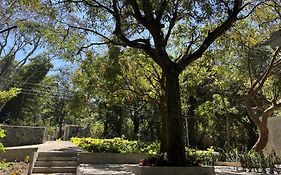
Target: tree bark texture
point(163, 114)
point(172, 121)
point(263, 139)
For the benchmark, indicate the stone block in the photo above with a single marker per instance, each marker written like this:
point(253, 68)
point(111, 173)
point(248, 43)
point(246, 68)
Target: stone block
point(75, 131)
point(23, 135)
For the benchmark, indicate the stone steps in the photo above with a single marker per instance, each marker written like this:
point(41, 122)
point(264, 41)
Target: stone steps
point(45, 170)
point(56, 159)
point(41, 163)
point(55, 163)
point(57, 154)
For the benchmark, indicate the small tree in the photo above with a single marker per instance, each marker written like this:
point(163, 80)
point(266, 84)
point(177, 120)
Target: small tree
point(256, 87)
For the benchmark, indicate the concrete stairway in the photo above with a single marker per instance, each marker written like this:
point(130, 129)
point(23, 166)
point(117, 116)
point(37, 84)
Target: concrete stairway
point(63, 163)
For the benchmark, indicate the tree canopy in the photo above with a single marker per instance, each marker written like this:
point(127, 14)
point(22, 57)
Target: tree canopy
point(144, 69)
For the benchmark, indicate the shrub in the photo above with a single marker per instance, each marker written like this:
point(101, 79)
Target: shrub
point(120, 145)
point(201, 156)
point(259, 162)
point(116, 145)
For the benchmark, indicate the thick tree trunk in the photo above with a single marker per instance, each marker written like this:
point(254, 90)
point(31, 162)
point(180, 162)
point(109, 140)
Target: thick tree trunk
point(136, 123)
point(164, 133)
point(172, 121)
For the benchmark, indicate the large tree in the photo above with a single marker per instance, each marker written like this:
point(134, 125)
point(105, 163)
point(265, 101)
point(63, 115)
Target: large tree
point(173, 33)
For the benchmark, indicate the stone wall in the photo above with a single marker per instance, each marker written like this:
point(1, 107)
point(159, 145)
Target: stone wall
point(75, 131)
point(23, 135)
point(274, 141)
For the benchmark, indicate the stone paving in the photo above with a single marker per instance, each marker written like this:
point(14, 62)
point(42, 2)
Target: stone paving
point(102, 169)
point(61, 146)
point(114, 169)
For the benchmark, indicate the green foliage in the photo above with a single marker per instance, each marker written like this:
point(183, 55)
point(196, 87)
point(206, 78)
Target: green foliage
point(231, 155)
point(200, 156)
point(2, 134)
point(4, 165)
point(259, 162)
point(120, 145)
point(97, 129)
point(28, 79)
point(253, 161)
point(8, 94)
point(116, 145)
point(119, 92)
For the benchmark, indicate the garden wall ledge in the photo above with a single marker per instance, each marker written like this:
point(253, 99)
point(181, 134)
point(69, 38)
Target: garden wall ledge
point(110, 158)
point(18, 154)
point(154, 170)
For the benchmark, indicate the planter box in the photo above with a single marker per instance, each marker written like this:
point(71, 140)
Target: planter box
point(154, 170)
point(110, 158)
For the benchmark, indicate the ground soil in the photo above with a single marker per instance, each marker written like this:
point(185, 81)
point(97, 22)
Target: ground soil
point(17, 168)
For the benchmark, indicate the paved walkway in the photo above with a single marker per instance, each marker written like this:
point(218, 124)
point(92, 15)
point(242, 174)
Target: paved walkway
point(119, 169)
point(61, 146)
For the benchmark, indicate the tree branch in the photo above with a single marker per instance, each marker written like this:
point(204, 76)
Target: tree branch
point(137, 13)
point(172, 24)
point(8, 29)
point(137, 43)
point(257, 85)
point(212, 36)
point(252, 10)
point(159, 13)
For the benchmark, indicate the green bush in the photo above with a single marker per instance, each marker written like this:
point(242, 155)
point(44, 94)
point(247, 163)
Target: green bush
point(116, 145)
point(120, 145)
point(201, 156)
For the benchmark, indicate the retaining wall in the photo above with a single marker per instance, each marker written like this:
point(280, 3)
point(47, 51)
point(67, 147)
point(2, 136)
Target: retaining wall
point(18, 154)
point(23, 135)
